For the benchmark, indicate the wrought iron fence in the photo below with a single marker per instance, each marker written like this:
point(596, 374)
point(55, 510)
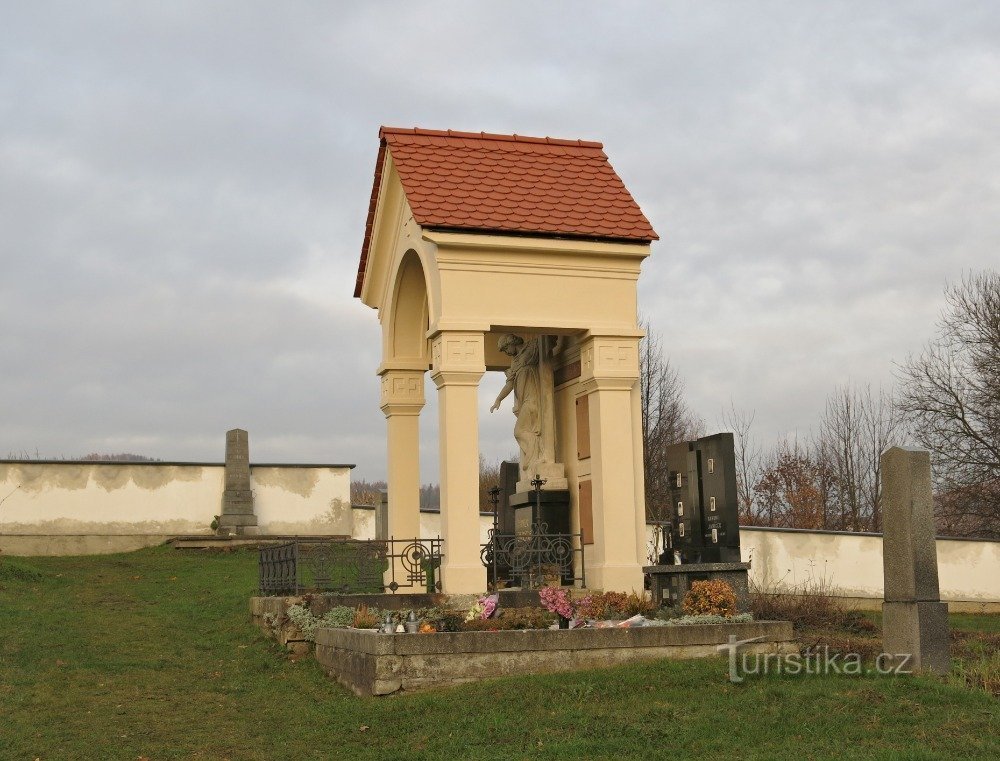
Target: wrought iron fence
point(534, 560)
point(350, 566)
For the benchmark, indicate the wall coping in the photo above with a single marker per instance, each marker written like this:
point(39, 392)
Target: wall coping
point(533, 640)
point(176, 463)
point(784, 530)
point(431, 510)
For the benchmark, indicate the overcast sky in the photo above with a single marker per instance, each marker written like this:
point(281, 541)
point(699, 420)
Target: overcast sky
point(183, 190)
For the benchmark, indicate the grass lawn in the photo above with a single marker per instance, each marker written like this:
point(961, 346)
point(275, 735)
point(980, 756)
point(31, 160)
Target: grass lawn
point(152, 655)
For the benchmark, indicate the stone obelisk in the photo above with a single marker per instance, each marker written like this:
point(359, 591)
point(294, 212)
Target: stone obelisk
point(914, 620)
point(237, 499)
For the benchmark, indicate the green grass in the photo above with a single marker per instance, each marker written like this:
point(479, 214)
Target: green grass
point(152, 654)
point(988, 623)
point(975, 622)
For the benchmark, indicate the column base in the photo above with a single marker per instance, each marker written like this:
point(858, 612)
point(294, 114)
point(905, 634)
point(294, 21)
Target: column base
point(463, 579)
point(918, 630)
point(616, 578)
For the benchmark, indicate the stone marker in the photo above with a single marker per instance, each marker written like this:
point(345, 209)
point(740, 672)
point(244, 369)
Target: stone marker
point(237, 499)
point(382, 515)
point(914, 620)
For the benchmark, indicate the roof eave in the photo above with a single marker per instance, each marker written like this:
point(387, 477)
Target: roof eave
point(370, 221)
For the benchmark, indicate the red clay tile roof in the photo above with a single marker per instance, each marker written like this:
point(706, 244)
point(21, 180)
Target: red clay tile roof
point(479, 182)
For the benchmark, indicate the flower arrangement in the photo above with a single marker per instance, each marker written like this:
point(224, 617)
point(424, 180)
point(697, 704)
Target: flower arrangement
point(482, 608)
point(556, 600)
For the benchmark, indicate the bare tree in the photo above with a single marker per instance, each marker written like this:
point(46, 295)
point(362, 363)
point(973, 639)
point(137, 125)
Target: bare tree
point(857, 426)
point(124, 457)
point(489, 477)
point(793, 488)
point(748, 459)
point(951, 394)
point(666, 420)
point(430, 497)
point(366, 492)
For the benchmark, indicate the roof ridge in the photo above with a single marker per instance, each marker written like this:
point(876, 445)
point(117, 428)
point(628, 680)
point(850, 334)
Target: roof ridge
point(383, 131)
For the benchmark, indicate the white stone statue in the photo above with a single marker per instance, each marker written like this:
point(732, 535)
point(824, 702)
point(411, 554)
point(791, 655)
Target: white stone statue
point(530, 378)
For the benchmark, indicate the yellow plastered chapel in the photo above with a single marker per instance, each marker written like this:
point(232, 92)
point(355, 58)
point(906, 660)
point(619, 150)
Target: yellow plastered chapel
point(476, 241)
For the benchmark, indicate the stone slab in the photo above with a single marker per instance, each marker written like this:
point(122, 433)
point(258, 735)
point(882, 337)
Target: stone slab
point(696, 567)
point(669, 584)
point(369, 663)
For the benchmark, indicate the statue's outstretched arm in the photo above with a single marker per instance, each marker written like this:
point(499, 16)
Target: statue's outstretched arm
point(508, 387)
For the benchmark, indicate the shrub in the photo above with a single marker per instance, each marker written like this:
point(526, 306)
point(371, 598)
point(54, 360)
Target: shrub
point(365, 618)
point(713, 597)
point(857, 622)
point(341, 615)
point(450, 621)
point(741, 618)
point(511, 619)
point(482, 625)
point(526, 618)
point(611, 605)
point(815, 610)
point(809, 604)
point(304, 621)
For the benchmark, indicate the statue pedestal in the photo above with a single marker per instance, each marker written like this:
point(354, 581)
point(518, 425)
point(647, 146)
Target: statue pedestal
point(552, 510)
point(550, 516)
point(553, 473)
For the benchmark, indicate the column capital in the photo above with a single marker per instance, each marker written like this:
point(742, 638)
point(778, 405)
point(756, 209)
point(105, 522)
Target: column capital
point(402, 392)
point(606, 384)
point(458, 358)
point(607, 359)
point(414, 365)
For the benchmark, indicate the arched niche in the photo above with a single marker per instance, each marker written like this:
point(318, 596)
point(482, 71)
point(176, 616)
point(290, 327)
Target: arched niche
point(408, 319)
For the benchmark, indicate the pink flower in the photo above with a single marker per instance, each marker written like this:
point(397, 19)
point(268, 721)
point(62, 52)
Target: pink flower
point(556, 601)
point(489, 605)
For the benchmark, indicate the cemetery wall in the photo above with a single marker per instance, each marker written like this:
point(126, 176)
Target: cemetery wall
point(844, 565)
point(849, 566)
point(65, 508)
point(71, 507)
point(430, 524)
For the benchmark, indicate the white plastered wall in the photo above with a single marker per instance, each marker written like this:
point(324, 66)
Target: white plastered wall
point(109, 498)
point(302, 500)
point(849, 566)
point(430, 524)
point(83, 507)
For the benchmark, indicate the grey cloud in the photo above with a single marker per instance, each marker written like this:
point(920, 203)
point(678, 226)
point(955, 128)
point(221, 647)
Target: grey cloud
point(183, 189)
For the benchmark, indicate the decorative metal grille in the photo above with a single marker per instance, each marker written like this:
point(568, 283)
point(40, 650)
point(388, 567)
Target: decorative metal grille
point(350, 566)
point(536, 559)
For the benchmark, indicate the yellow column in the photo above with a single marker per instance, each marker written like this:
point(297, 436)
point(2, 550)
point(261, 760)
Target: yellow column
point(639, 465)
point(402, 399)
point(458, 364)
point(610, 374)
